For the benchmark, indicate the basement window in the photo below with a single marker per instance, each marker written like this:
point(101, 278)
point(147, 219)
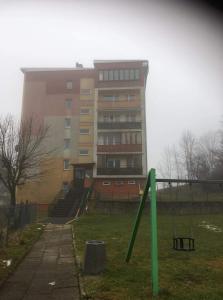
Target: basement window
point(119, 183)
point(131, 182)
point(106, 183)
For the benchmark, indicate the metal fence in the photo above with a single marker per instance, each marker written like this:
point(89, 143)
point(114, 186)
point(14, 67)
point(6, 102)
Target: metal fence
point(16, 217)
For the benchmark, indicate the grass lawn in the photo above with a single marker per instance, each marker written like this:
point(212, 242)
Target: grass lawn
point(19, 243)
point(192, 275)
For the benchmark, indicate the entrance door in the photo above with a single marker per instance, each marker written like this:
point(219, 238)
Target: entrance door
point(79, 175)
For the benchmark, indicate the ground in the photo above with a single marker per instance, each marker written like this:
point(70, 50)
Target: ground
point(19, 243)
point(182, 275)
point(48, 272)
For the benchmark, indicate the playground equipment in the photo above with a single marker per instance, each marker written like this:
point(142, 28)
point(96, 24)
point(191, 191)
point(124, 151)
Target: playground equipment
point(180, 243)
point(185, 242)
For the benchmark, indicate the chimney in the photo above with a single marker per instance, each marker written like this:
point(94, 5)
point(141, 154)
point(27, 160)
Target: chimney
point(79, 65)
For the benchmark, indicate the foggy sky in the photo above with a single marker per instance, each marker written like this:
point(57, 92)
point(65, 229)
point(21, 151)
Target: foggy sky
point(183, 43)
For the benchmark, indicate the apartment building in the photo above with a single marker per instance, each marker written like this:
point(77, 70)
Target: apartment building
point(97, 127)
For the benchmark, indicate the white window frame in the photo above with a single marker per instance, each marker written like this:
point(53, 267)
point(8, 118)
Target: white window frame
point(67, 143)
point(69, 85)
point(136, 74)
point(131, 182)
point(66, 164)
point(84, 113)
point(84, 154)
point(68, 103)
point(65, 123)
point(101, 76)
point(85, 131)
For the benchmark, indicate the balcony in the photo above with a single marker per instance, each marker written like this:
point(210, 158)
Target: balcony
point(119, 125)
point(119, 171)
point(120, 148)
point(125, 104)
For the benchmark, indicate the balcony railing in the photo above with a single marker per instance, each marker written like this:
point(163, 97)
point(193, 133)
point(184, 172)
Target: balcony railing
point(119, 125)
point(119, 171)
point(120, 148)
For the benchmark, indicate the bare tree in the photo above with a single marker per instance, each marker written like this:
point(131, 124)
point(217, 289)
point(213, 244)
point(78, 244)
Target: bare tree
point(205, 157)
point(166, 166)
point(218, 169)
point(21, 152)
point(188, 146)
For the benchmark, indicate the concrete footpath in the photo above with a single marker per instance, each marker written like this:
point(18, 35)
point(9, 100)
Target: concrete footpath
point(48, 271)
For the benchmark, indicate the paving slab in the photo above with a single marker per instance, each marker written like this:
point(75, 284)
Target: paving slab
point(48, 272)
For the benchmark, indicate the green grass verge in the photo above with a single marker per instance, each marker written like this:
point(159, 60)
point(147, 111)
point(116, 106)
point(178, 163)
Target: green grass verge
point(19, 244)
point(184, 276)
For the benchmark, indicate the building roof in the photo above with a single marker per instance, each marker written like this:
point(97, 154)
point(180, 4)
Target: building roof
point(25, 70)
point(118, 61)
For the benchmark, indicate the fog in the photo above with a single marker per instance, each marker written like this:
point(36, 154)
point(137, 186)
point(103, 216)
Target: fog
point(183, 43)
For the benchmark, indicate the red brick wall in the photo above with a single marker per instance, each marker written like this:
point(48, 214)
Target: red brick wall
point(116, 192)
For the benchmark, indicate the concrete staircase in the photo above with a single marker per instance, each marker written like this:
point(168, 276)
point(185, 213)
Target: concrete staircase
point(69, 204)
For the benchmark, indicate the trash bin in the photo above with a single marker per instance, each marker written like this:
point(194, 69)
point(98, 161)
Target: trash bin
point(95, 257)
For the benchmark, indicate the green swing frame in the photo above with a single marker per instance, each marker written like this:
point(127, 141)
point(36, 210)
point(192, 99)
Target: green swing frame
point(150, 188)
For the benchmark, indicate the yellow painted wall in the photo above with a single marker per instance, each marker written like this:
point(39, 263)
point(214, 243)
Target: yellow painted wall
point(87, 118)
point(45, 188)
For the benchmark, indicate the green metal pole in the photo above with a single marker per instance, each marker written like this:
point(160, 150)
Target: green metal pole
point(137, 220)
point(154, 246)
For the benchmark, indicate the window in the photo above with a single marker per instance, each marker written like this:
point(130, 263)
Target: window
point(109, 97)
point(131, 163)
point(66, 143)
point(100, 75)
point(65, 187)
point(105, 75)
point(117, 139)
point(110, 75)
point(84, 131)
point(131, 117)
point(131, 75)
point(83, 152)
point(136, 74)
point(69, 85)
point(85, 92)
point(119, 183)
point(126, 74)
point(68, 103)
point(67, 123)
point(66, 164)
point(121, 74)
point(113, 163)
point(116, 73)
point(84, 111)
point(106, 183)
point(131, 182)
point(131, 97)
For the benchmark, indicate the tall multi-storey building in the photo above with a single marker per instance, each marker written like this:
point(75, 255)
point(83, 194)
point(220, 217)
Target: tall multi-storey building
point(97, 127)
